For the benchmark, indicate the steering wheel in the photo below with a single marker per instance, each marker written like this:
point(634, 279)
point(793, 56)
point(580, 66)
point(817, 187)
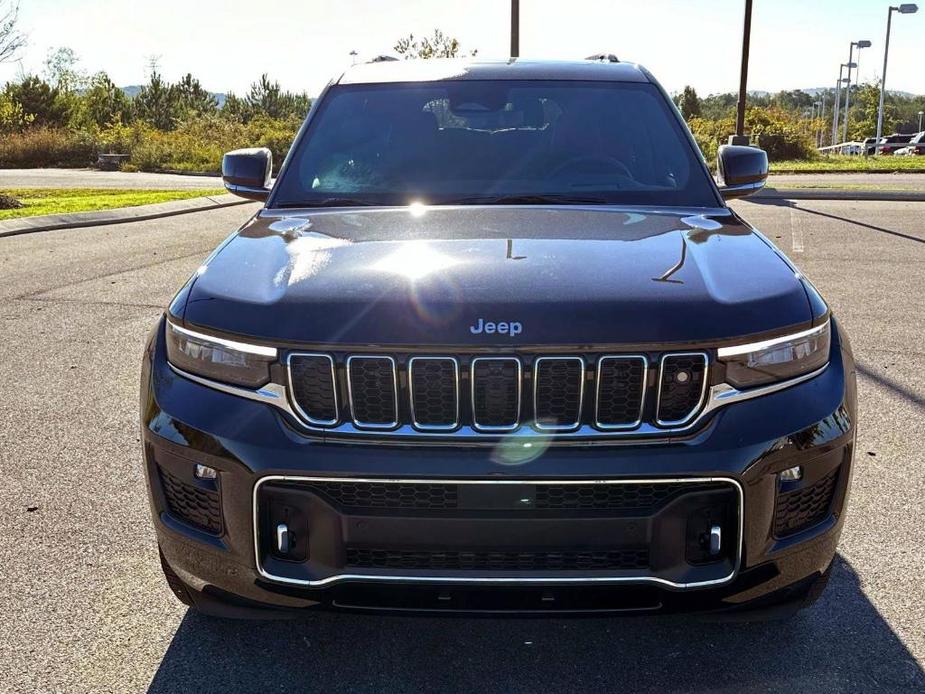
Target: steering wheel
point(611, 162)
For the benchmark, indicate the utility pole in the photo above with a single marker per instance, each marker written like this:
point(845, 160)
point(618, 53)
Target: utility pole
point(740, 138)
point(515, 28)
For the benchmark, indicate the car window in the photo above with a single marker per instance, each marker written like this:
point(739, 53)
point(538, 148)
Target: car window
point(455, 141)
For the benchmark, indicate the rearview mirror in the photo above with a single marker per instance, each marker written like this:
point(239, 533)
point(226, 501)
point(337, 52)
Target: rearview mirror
point(741, 170)
point(246, 172)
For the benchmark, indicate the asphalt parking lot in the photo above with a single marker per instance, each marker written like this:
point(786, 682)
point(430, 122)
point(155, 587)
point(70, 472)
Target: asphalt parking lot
point(83, 606)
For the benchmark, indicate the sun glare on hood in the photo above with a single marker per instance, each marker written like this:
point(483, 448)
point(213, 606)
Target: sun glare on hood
point(415, 260)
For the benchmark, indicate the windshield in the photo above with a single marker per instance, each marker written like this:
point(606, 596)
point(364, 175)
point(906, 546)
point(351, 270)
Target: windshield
point(495, 141)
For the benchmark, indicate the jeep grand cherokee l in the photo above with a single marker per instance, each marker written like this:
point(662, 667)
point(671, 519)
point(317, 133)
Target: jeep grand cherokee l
point(496, 342)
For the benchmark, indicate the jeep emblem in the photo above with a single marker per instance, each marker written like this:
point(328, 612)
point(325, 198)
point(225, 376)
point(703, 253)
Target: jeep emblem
point(488, 327)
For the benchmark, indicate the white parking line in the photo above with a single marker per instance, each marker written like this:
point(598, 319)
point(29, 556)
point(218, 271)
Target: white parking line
point(796, 235)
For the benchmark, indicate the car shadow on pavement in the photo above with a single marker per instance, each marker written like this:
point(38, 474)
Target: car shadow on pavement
point(840, 644)
point(776, 202)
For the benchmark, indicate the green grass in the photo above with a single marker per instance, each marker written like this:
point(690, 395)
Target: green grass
point(39, 201)
point(847, 164)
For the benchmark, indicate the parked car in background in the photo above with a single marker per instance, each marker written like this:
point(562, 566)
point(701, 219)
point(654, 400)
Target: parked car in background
point(870, 146)
point(916, 146)
point(895, 142)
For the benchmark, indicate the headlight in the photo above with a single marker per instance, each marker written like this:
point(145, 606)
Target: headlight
point(777, 359)
point(219, 359)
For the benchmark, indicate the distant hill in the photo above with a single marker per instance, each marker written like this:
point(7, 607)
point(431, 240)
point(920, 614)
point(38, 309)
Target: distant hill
point(132, 90)
point(813, 91)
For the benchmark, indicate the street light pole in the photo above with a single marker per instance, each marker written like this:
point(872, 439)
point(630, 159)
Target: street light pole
point(860, 45)
point(739, 138)
point(515, 28)
point(921, 113)
point(837, 105)
point(902, 9)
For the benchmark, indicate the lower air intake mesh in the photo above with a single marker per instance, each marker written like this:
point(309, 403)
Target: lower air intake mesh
point(498, 561)
point(201, 508)
point(804, 508)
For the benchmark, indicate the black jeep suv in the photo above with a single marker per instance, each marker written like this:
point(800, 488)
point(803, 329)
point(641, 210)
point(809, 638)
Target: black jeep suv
point(496, 342)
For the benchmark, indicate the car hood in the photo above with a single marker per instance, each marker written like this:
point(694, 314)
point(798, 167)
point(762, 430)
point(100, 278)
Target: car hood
point(427, 276)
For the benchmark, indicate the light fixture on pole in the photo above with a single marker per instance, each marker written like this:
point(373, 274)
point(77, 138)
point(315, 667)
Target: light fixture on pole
point(907, 8)
point(921, 113)
point(860, 45)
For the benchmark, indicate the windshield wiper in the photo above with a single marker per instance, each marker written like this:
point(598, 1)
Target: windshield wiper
point(331, 202)
point(526, 200)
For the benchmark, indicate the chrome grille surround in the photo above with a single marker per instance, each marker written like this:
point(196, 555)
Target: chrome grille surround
point(597, 399)
point(279, 396)
point(414, 421)
point(295, 400)
point(566, 426)
point(493, 428)
point(350, 391)
point(660, 385)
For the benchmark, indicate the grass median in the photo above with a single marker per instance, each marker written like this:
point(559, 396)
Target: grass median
point(42, 201)
point(849, 164)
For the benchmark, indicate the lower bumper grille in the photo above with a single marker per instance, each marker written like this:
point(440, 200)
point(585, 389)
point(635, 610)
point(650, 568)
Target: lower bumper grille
point(507, 531)
point(804, 508)
point(643, 497)
point(200, 508)
point(498, 561)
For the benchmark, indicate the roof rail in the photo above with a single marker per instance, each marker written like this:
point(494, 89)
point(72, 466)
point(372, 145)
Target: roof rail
point(604, 58)
point(383, 59)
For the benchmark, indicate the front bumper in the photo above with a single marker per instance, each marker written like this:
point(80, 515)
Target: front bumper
point(438, 527)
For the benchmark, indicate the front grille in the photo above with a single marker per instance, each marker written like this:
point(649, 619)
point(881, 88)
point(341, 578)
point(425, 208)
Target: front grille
point(804, 508)
point(474, 394)
point(314, 387)
point(496, 385)
point(621, 383)
point(681, 387)
point(373, 391)
point(565, 560)
point(434, 386)
point(557, 393)
point(198, 507)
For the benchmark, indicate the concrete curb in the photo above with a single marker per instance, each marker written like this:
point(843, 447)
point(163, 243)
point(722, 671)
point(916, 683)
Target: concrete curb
point(835, 194)
point(121, 215)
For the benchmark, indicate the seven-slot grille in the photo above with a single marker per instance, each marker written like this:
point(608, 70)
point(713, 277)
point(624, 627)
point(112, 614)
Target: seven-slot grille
point(497, 394)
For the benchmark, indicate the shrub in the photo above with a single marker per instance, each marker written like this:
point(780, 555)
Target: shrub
point(783, 134)
point(8, 202)
point(37, 147)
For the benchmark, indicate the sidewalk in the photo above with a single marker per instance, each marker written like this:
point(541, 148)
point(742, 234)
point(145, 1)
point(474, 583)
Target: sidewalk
point(76, 220)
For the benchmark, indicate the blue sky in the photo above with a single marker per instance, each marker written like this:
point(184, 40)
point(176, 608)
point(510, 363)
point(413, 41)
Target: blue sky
point(228, 44)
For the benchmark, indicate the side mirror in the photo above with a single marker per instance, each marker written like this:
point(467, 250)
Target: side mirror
point(246, 172)
point(741, 170)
